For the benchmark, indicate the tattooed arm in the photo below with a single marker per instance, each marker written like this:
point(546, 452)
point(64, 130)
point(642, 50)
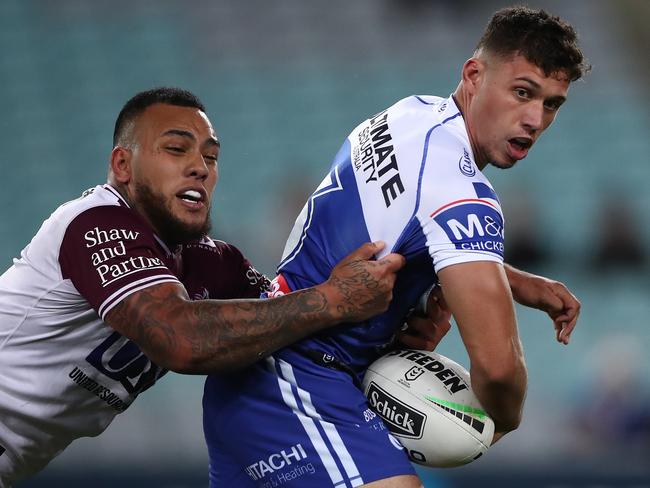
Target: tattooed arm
point(206, 336)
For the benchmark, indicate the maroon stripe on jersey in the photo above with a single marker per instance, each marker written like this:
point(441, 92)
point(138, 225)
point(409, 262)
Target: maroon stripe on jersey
point(106, 249)
point(121, 294)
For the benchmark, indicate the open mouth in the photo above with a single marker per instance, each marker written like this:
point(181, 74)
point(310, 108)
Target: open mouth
point(519, 147)
point(192, 197)
point(521, 143)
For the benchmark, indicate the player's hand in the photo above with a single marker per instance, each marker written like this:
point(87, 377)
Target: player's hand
point(362, 287)
point(547, 295)
point(425, 332)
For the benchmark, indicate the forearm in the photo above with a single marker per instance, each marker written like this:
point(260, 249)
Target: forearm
point(207, 336)
point(479, 298)
point(233, 334)
point(516, 279)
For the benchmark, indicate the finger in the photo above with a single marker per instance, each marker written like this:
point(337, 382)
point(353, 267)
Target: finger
point(439, 297)
point(365, 251)
point(566, 322)
point(437, 308)
point(565, 329)
point(559, 335)
point(393, 261)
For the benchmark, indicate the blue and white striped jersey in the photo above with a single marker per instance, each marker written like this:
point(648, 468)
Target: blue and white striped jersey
point(405, 176)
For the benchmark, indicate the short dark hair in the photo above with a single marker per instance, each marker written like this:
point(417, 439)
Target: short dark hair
point(141, 101)
point(544, 40)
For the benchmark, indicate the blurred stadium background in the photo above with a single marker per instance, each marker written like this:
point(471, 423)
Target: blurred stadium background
point(284, 82)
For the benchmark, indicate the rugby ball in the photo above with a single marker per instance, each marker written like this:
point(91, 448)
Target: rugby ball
point(427, 402)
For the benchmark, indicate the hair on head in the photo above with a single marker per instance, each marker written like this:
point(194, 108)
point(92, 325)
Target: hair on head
point(141, 101)
point(544, 40)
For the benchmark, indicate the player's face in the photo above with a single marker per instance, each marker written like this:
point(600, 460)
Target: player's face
point(174, 170)
point(513, 103)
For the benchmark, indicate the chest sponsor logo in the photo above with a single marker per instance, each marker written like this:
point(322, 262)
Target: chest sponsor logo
point(401, 419)
point(472, 225)
point(109, 254)
point(373, 154)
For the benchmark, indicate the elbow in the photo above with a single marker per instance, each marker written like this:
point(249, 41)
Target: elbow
point(190, 362)
point(176, 356)
point(509, 421)
point(502, 392)
point(171, 360)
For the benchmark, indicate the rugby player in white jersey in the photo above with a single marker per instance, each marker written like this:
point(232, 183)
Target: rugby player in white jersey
point(410, 175)
point(123, 284)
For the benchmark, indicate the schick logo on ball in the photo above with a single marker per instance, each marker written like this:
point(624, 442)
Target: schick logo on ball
point(400, 418)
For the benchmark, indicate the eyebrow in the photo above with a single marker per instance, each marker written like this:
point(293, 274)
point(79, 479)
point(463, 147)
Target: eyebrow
point(211, 141)
point(528, 80)
point(537, 86)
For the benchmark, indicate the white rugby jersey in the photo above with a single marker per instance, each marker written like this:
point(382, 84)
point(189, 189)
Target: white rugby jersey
point(405, 176)
point(64, 373)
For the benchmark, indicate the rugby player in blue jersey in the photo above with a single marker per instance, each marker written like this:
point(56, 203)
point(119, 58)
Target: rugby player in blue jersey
point(412, 176)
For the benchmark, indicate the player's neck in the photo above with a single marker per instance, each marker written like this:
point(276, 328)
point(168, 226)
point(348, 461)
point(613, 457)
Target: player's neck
point(462, 101)
point(122, 191)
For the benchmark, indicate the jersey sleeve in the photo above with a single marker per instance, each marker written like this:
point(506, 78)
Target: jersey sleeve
point(109, 253)
point(460, 214)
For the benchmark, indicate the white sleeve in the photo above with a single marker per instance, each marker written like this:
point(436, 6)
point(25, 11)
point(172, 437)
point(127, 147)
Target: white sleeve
point(459, 211)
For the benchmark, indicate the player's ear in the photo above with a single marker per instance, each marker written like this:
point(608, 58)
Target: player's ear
point(472, 74)
point(121, 164)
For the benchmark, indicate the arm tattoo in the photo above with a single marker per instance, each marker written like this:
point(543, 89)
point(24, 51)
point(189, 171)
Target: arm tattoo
point(213, 335)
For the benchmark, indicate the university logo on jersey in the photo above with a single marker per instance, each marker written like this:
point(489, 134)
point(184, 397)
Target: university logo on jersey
point(121, 360)
point(472, 224)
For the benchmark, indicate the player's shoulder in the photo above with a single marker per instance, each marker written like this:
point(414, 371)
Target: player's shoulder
point(98, 196)
point(428, 107)
point(411, 117)
point(208, 246)
point(429, 115)
point(99, 207)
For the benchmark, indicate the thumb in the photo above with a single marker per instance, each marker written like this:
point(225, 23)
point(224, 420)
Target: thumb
point(393, 261)
point(364, 252)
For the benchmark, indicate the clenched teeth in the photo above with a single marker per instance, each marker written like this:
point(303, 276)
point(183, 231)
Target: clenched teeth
point(191, 195)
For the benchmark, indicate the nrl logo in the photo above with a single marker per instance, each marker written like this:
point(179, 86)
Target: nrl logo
point(413, 374)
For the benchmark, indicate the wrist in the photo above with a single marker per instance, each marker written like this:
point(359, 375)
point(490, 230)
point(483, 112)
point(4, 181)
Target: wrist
point(334, 311)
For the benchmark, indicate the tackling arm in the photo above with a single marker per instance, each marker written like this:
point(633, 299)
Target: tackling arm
point(207, 336)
